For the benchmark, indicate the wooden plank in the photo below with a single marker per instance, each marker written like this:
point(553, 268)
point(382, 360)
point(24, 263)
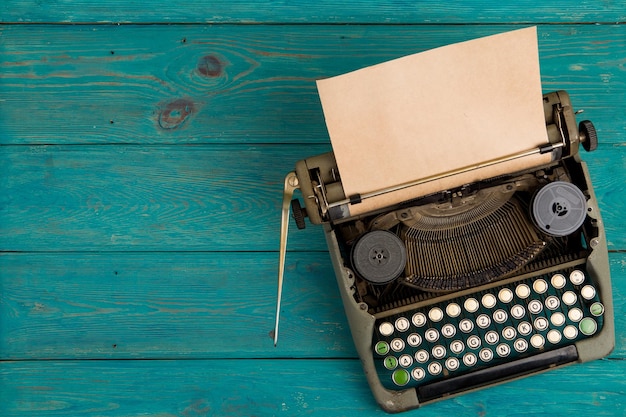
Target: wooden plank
point(185, 198)
point(168, 305)
point(324, 11)
point(247, 83)
point(255, 387)
point(90, 198)
point(184, 305)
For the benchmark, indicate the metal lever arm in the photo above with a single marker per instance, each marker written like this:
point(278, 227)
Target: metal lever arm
point(291, 184)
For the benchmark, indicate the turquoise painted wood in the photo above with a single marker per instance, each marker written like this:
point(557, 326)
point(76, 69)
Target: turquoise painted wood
point(247, 83)
point(141, 171)
point(323, 11)
point(277, 387)
point(162, 305)
point(201, 197)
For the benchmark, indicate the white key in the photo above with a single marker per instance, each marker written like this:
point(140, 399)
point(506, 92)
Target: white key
point(457, 346)
point(535, 306)
point(492, 337)
point(397, 345)
point(505, 295)
point(541, 323)
point(431, 335)
point(435, 314)
point(469, 359)
point(518, 311)
point(434, 368)
point(474, 342)
point(575, 314)
point(448, 330)
point(552, 302)
point(489, 300)
point(503, 350)
point(439, 352)
point(537, 340)
point(540, 286)
point(483, 321)
point(385, 328)
point(452, 364)
point(570, 332)
point(419, 319)
point(588, 292)
point(405, 361)
point(418, 374)
point(524, 328)
point(485, 354)
point(466, 325)
point(554, 336)
point(509, 333)
point(414, 339)
point(520, 345)
point(500, 316)
point(471, 305)
point(522, 291)
point(402, 324)
point(422, 356)
point(558, 281)
point(453, 310)
point(577, 277)
point(569, 298)
point(557, 319)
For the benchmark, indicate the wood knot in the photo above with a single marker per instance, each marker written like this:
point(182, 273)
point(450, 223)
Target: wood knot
point(175, 113)
point(210, 66)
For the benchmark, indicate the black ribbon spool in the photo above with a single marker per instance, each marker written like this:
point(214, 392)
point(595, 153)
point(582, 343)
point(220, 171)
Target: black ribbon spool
point(379, 257)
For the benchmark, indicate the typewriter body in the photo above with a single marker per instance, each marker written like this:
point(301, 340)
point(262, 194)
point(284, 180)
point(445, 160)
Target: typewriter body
point(472, 286)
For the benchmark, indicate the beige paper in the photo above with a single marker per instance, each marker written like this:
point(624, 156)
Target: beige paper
point(434, 112)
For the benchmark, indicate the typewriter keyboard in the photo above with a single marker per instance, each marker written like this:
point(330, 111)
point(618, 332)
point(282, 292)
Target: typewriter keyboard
point(487, 328)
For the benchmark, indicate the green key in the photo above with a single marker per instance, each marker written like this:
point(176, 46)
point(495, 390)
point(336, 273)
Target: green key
point(391, 362)
point(588, 326)
point(400, 377)
point(382, 348)
point(597, 309)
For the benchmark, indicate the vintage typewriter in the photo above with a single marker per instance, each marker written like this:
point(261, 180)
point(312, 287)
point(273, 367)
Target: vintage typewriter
point(468, 287)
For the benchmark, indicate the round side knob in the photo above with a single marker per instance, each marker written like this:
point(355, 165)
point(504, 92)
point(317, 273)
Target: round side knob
point(588, 135)
point(299, 213)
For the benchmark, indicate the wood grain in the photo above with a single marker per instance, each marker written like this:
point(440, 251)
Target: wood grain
point(168, 305)
point(143, 147)
point(223, 387)
point(247, 84)
point(185, 198)
point(184, 306)
point(323, 11)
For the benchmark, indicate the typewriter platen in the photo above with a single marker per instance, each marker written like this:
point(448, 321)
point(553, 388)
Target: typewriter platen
point(472, 286)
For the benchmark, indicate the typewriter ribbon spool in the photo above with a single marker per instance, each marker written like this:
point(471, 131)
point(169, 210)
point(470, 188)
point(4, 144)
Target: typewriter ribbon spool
point(379, 256)
point(559, 208)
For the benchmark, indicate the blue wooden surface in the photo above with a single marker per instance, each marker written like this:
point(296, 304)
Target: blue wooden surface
point(141, 171)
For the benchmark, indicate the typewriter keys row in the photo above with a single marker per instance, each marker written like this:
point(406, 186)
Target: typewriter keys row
point(487, 328)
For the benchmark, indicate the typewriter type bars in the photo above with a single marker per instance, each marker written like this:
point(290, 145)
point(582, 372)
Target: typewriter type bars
point(472, 286)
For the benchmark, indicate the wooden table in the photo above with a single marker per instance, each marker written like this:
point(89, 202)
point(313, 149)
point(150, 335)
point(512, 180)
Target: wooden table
point(143, 151)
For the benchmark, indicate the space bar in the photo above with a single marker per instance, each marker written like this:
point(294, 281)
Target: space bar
point(497, 373)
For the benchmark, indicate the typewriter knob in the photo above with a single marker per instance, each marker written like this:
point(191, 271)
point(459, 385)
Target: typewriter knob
point(298, 213)
point(588, 135)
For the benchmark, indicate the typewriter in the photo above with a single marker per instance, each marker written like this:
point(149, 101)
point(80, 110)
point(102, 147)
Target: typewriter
point(472, 286)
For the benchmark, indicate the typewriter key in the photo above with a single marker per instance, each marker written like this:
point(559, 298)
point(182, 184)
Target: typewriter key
point(559, 208)
point(379, 257)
